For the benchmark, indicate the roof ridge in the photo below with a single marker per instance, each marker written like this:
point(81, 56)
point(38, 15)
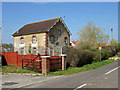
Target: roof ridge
point(42, 21)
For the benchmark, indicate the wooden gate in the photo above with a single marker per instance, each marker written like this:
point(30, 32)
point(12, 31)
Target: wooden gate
point(55, 63)
point(32, 64)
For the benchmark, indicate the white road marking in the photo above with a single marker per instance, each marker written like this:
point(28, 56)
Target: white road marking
point(80, 86)
point(112, 70)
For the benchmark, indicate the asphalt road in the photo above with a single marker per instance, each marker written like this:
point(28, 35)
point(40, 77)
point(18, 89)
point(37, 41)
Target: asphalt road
point(103, 77)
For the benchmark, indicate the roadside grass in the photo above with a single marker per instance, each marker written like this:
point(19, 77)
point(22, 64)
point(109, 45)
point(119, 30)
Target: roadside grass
point(73, 70)
point(69, 71)
point(16, 69)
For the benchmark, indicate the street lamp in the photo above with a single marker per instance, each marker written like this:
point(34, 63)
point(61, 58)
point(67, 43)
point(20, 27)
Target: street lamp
point(111, 34)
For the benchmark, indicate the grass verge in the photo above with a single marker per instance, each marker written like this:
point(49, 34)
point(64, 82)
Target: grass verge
point(73, 70)
point(16, 69)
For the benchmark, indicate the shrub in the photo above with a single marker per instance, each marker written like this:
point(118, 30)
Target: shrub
point(96, 57)
point(85, 57)
point(104, 54)
point(72, 57)
point(118, 47)
point(112, 50)
point(77, 57)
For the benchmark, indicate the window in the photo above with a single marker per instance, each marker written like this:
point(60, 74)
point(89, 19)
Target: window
point(52, 38)
point(65, 40)
point(59, 31)
point(22, 40)
point(34, 50)
point(22, 51)
point(51, 52)
point(34, 39)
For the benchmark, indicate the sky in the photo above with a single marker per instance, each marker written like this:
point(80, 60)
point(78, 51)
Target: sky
point(77, 14)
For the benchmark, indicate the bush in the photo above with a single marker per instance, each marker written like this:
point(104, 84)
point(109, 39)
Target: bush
point(96, 57)
point(72, 57)
point(77, 57)
point(104, 54)
point(85, 57)
point(112, 50)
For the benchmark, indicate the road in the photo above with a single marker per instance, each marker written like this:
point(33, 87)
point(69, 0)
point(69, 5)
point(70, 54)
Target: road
point(103, 77)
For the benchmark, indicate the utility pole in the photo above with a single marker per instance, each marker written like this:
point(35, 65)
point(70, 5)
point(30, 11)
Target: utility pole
point(111, 35)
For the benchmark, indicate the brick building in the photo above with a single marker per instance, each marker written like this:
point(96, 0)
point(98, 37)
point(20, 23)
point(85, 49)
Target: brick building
point(44, 37)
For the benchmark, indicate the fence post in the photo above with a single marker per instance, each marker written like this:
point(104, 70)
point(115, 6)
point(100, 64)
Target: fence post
point(63, 61)
point(45, 64)
point(17, 57)
point(22, 62)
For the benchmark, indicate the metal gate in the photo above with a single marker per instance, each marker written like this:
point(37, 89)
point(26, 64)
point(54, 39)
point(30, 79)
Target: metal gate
point(32, 64)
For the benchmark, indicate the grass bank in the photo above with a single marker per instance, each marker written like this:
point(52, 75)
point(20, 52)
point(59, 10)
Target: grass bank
point(73, 70)
point(69, 71)
point(16, 69)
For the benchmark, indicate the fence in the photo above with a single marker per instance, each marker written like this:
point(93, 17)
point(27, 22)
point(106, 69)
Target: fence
point(55, 63)
point(19, 58)
point(32, 64)
point(9, 58)
point(47, 63)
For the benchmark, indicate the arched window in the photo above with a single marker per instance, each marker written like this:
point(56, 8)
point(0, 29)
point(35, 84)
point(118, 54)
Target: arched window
point(52, 38)
point(34, 39)
point(65, 40)
point(22, 40)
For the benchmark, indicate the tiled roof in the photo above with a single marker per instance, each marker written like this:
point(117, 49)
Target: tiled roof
point(37, 27)
point(75, 42)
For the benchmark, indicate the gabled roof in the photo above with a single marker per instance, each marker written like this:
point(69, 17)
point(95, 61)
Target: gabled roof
point(38, 27)
point(75, 42)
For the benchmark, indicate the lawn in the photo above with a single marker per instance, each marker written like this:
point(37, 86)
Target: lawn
point(16, 69)
point(73, 70)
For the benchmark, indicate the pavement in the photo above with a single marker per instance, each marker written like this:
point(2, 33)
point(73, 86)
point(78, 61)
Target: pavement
point(103, 77)
point(21, 80)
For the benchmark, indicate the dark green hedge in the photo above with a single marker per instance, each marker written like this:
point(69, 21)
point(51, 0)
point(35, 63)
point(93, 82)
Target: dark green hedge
point(79, 57)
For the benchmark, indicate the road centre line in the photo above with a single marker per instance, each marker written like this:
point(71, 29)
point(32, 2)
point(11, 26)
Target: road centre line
point(112, 70)
point(80, 86)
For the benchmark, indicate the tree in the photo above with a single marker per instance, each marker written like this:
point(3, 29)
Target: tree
point(6, 46)
point(94, 35)
point(114, 43)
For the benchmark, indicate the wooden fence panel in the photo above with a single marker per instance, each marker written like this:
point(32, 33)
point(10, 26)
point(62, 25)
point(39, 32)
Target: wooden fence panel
point(10, 58)
point(13, 59)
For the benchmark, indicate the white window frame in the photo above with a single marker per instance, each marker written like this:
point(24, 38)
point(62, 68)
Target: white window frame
point(22, 40)
point(34, 39)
